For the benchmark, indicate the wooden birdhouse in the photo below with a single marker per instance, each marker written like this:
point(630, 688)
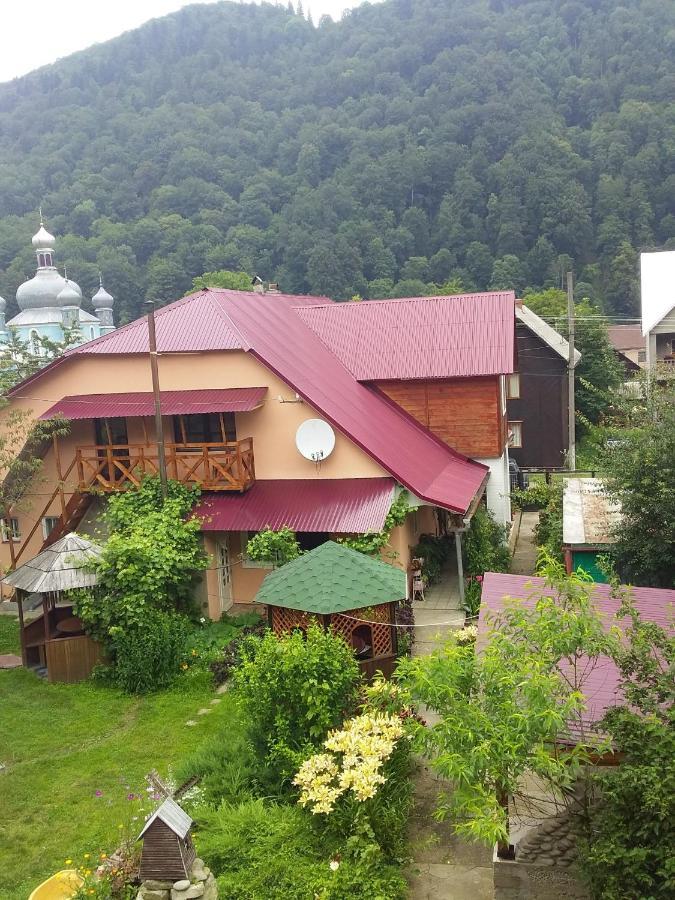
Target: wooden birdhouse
point(168, 852)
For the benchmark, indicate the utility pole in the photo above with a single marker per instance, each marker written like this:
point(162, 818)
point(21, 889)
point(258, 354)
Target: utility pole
point(571, 424)
point(159, 425)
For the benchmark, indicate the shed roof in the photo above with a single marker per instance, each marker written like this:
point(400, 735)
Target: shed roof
point(590, 516)
point(626, 337)
point(600, 681)
point(330, 579)
point(419, 337)
point(59, 567)
point(172, 815)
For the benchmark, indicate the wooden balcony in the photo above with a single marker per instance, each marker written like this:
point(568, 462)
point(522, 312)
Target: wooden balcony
point(225, 466)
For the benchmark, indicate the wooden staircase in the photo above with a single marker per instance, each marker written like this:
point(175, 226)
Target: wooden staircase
point(75, 509)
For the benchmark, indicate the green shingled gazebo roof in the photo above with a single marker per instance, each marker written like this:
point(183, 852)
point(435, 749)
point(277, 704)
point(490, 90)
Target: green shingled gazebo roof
point(331, 579)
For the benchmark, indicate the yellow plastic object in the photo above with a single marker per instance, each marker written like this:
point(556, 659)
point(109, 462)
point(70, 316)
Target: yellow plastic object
point(61, 886)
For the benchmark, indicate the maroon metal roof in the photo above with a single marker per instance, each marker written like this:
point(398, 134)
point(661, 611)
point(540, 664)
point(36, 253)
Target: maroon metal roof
point(421, 462)
point(270, 328)
point(141, 403)
point(338, 506)
point(420, 337)
point(601, 680)
point(189, 325)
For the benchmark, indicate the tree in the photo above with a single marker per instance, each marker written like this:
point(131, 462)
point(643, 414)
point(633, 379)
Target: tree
point(501, 709)
point(627, 850)
point(223, 278)
point(639, 471)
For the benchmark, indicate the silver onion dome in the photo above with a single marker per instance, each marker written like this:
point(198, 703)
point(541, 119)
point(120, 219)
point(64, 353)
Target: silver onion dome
point(43, 240)
point(70, 295)
point(43, 289)
point(102, 299)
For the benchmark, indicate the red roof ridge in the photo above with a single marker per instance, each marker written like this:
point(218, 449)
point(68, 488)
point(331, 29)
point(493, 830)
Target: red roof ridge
point(379, 300)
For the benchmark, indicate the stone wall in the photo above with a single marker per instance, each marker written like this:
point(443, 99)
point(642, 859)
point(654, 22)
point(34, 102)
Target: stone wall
point(200, 886)
point(544, 867)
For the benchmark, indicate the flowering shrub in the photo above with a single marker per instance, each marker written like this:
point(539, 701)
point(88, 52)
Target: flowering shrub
point(364, 743)
point(466, 635)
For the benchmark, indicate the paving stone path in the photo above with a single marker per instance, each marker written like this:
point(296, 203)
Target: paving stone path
point(525, 553)
point(444, 866)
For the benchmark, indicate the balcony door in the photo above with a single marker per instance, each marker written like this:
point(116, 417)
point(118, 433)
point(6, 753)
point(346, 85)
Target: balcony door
point(204, 428)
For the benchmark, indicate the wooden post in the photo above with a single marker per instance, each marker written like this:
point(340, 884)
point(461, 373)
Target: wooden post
point(159, 425)
point(19, 601)
point(571, 423)
point(460, 565)
point(45, 616)
point(59, 474)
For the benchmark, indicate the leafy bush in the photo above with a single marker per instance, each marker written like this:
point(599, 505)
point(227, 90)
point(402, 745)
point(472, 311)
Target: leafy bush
point(472, 595)
point(434, 551)
point(405, 616)
point(149, 657)
point(230, 657)
point(484, 545)
point(274, 547)
point(549, 530)
point(260, 849)
point(537, 495)
point(293, 690)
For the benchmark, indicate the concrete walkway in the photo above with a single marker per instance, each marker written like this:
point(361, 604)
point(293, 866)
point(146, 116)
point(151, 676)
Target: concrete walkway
point(525, 554)
point(444, 867)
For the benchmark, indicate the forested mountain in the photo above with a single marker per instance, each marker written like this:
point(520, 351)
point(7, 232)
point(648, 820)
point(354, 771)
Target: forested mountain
point(487, 143)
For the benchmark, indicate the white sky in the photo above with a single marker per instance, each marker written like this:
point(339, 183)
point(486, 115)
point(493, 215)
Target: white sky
point(36, 32)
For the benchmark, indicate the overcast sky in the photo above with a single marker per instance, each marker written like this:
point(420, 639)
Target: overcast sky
point(37, 32)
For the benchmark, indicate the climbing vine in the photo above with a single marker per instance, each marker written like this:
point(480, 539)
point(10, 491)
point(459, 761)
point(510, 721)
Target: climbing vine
point(274, 547)
point(373, 542)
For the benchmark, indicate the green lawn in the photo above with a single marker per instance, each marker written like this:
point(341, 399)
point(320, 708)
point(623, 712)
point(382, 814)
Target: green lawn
point(60, 744)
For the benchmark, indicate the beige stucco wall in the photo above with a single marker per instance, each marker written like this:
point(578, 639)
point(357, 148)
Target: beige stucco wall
point(272, 427)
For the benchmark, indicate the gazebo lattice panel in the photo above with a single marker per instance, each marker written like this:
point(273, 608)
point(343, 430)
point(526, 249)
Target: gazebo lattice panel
point(284, 620)
point(345, 625)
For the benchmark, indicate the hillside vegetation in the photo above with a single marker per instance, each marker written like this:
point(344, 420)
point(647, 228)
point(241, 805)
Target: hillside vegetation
point(465, 143)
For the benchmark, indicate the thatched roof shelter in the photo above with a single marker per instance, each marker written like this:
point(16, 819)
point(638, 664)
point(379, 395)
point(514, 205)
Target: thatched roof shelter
point(63, 566)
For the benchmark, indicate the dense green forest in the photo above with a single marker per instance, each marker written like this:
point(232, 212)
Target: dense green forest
point(414, 146)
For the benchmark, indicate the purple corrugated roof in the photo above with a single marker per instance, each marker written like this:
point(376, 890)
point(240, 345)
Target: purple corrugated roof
point(601, 681)
point(420, 337)
point(338, 506)
point(141, 403)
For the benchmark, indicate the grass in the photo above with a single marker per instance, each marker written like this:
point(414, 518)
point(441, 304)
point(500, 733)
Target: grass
point(60, 744)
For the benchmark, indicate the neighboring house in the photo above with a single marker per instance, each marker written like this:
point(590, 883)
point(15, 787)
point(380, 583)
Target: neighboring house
point(50, 304)
point(240, 373)
point(629, 345)
point(658, 309)
point(542, 828)
point(538, 394)
point(590, 518)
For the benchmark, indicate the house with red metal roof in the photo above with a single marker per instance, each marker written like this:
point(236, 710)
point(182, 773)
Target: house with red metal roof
point(274, 405)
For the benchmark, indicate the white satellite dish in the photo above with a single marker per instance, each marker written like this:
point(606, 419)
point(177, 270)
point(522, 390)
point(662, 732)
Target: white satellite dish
point(315, 439)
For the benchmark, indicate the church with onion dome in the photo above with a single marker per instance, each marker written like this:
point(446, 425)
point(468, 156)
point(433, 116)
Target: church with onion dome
point(51, 305)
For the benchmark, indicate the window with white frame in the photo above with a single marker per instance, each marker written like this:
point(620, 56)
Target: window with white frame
point(49, 523)
point(513, 386)
point(515, 434)
point(10, 529)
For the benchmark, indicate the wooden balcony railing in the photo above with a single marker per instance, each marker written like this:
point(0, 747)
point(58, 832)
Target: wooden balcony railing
point(226, 466)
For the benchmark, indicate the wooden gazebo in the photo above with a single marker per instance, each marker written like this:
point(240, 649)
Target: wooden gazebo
point(338, 588)
point(53, 642)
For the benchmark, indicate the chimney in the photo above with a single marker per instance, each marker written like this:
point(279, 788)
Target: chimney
point(258, 285)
